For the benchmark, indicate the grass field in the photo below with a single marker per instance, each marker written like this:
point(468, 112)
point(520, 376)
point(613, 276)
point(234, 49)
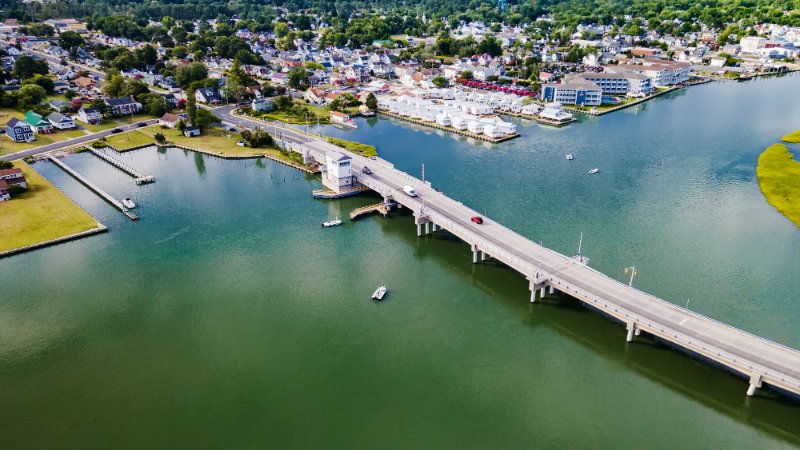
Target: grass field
point(107, 125)
point(127, 120)
point(792, 138)
point(355, 147)
point(129, 140)
point(41, 214)
point(779, 178)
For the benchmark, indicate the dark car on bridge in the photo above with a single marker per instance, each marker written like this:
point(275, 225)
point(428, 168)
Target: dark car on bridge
point(477, 219)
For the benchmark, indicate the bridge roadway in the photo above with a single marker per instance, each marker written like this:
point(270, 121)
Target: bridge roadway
point(760, 360)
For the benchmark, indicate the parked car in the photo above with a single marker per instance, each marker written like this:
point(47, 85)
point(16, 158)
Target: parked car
point(477, 219)
point(232, 129)
point(241, 143)
point(117, 130)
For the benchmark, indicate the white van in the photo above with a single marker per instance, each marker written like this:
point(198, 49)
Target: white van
point(410, 191)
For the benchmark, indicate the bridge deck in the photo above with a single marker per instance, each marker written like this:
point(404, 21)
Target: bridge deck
point(761, 360)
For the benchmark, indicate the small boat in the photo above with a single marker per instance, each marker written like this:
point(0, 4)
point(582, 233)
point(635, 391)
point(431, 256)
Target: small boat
point(332, 223)
point(379, 293)
point(128, 203)
point(594, 171)
point(569, 157)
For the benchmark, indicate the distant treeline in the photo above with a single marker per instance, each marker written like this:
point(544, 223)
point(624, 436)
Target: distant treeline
point(406, 16)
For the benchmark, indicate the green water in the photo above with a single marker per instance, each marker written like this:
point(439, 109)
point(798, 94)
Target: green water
point(228, 318)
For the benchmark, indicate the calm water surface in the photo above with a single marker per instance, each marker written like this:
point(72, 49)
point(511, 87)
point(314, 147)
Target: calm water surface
point(228, 318)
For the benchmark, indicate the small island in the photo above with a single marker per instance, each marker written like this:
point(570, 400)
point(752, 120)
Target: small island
point(779, 178)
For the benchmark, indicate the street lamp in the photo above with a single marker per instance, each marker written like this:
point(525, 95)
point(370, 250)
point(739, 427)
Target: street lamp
point(632, 271)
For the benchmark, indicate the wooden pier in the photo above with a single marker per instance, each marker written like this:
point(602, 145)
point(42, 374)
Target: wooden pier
point(481, 137)
point(382, 208)
point(139, 177)
point(105, 196)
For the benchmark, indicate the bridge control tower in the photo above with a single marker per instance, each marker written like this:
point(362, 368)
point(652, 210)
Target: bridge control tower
point(338, 173)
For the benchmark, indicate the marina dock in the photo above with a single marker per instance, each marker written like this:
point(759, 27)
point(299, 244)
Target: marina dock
point(382, 208)
point(328, 194)
point(139, 177)
point(105, 196)
point(481, 137)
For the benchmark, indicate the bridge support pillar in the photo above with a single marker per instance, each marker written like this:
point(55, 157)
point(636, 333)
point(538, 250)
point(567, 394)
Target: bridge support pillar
point(427, 228)
point(755, 383)
point(474, 256)
point(632, 329)
point(542, 292)
point(419, 229)
point(483, 256)
point(433, 227)
point(552, 289)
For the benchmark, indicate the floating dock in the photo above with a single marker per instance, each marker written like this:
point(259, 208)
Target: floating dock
point(105, 196)
point(382, 208)
point(139, 177)
point(481, 137)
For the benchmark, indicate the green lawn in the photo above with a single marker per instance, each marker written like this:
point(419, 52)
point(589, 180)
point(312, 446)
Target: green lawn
point(41, 214)
point(127, 120)
point(779, 178)
point(792, 138)
point(217, 141)
point(107, 125)
point(128, 140)
point(7, 113)
point(355, 147)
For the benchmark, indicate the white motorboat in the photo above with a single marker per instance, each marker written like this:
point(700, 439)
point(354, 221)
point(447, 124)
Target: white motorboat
point(128, 203)
point(569, 157)
point(594, 171)
point(379, 293)
point(332, 223)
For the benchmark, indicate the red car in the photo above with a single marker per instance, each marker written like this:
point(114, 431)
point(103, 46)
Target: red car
point(477, 219)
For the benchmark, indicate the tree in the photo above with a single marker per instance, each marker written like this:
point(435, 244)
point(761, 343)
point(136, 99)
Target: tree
point(440, 82)
point(146, 55)
point(298, 79)
point(186, 74)
point(6, 165)
point(281, 29)
point(41, 30)
point(26, 67)
point(30, 95)
point(204, 118)
point(43, 81)
point(467, 74)
point(191, 105)
point(70, 39)
point(372, 101)
point(160, 138)
point(113, 85)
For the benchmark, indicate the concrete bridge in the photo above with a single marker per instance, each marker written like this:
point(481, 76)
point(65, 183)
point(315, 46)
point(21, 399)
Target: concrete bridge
point(757, 359)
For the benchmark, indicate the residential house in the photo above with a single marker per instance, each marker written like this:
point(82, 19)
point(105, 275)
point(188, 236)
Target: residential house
point(92, 116)
point(123, 105)
point(38, 123)
point(279, 79)
point(84, 83)
point(262, 104)
point(314, 95)
point(209, 96)
point(11, 179)
point(19, 131)
point(61, 121)
point(59, 105)
point(170, 120)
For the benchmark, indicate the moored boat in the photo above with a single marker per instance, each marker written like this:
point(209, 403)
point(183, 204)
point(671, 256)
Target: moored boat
point(379, 293)
point(594, 171)
point(128, 203)
point(332, 223)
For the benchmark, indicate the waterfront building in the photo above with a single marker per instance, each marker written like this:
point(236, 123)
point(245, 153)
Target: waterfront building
point(338, 172)
point(92, 116)
point(19, 131)
point(620, 81)
point(38, 123)
point(61, 121)
point(123, 106)
point(553, 111)
point(573, 92)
